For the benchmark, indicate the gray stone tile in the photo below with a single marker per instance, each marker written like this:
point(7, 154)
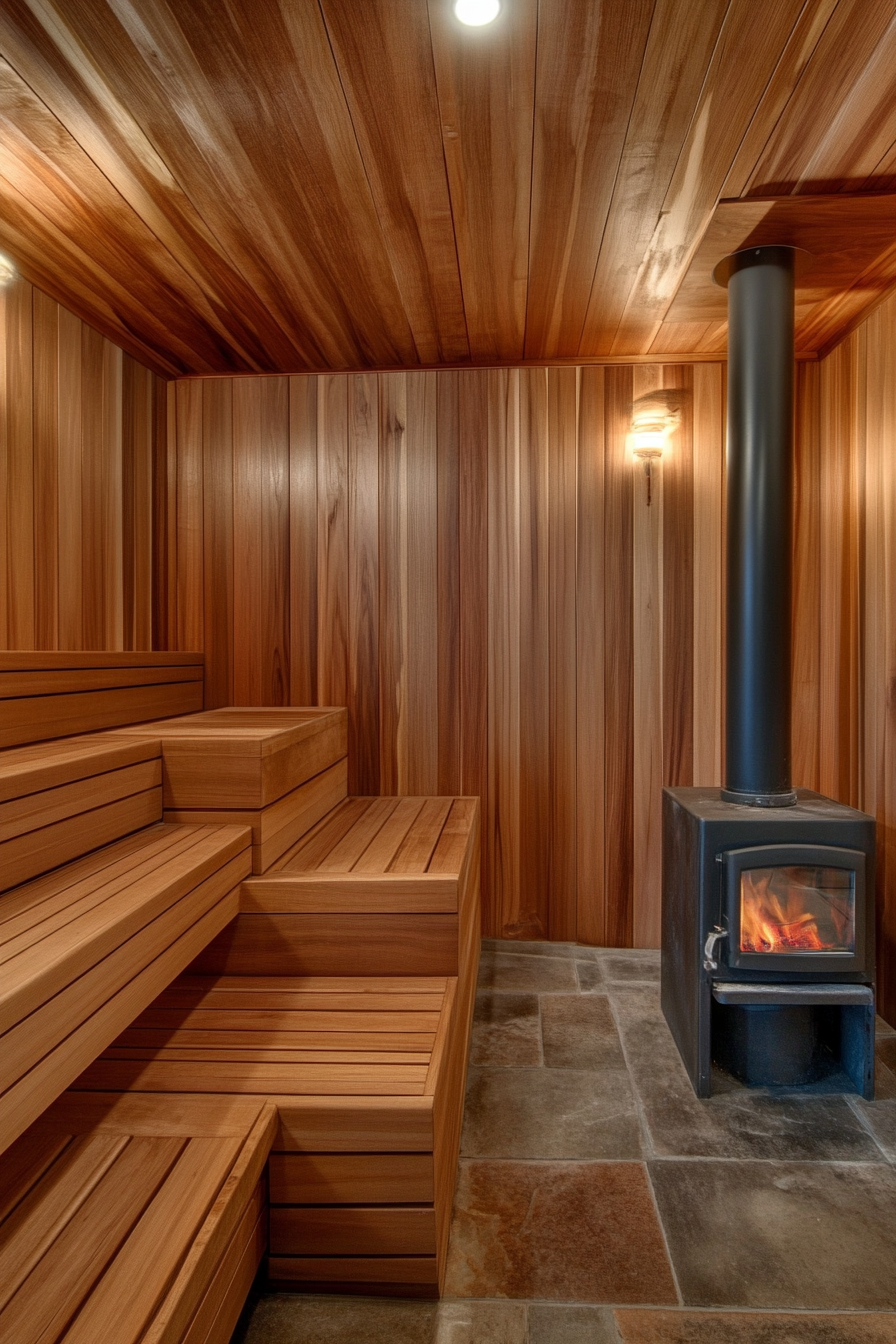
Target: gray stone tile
point(299, 1319)
point(738, 1122)
point(880, 1117)
point(634, 964)
point(527, 948)
point(578, 1032)
point(590, 977)
point(550, 1113)
point(516, 971)
point(561, 1324)
point(820, 1236)
point(506, 1030)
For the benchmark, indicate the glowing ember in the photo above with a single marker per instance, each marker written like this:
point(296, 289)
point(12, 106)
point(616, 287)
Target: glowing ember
point(785, 910)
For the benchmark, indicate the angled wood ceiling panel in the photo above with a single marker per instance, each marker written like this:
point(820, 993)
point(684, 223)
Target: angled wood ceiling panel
point(318, 184)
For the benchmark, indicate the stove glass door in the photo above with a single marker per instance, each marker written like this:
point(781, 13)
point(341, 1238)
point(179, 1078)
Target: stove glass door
point(796, 908)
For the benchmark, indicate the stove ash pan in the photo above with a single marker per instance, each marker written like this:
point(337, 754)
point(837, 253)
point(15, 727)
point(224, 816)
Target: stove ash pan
point(768, 937)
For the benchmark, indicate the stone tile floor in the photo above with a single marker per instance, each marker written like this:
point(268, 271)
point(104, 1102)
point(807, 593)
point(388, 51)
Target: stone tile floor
point(599, 1202)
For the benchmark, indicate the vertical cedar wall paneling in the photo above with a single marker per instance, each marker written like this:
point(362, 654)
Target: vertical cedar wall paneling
point(76, 482)
point(844, 736)
point(467, 560)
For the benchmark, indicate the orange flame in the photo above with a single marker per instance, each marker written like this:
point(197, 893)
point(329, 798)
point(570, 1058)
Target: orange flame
point(772, 922)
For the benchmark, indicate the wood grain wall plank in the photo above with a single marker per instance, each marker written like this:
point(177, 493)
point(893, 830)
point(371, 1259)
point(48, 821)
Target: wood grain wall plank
point(363, 595)
point(422, 585)
point(678, 586)
point(189, 515)
point(535, 664)
point(593, 896)
point(619, 489)
point(708, 569)
point(504, 738)
point(449, 714)
point(142, 448)
point(303, 555)
point(70, 393)
point(93, 539)
point(647, 688)
point(474, 583)
point(332, 541)
point(111, 500)
point(45, 372)
point(393, 583)
point(261, 541)
point(563, 398)
point(217, 538)
point(18, 413)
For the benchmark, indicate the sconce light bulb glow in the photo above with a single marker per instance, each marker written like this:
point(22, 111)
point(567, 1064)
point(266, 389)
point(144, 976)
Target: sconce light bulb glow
point(8, 271)
point(477, 12)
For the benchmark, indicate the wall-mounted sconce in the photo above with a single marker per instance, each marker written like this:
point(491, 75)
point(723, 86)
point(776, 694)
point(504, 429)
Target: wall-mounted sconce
point(655, 417)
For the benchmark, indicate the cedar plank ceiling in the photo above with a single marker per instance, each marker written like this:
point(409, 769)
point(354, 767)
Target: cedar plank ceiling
point(287, 185)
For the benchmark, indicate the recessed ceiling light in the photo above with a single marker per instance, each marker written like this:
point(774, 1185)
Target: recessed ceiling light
point(477, 12)
point(8, 270)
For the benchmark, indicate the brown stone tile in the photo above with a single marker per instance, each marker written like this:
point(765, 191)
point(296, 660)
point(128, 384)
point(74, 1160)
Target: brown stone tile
point(525, 974)
point(716, 1327)
point(590, 977)
point(298, 1319)
point(634, 964)
point(573, 1232)
point(527, 948)
point(738, 1122)
point(821, 1236)
point(550, 1113)
point(578, 1032)
point(506, 1030)
point(882, 1027)
point(550, 1324)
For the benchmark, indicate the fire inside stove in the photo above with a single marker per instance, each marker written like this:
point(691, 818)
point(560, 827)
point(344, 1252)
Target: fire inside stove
point(797, 909)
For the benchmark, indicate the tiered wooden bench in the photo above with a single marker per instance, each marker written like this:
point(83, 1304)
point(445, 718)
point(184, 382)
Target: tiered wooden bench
point(335, 982)
point(277, 771)
point(84, 947)
point(127, 1218)
point(343, 992)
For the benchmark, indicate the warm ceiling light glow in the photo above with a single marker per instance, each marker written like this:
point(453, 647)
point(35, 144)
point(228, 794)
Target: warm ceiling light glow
point(8, 271)
point(476, 12)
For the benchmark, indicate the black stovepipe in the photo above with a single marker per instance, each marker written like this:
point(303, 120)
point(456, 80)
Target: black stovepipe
point(760, 500)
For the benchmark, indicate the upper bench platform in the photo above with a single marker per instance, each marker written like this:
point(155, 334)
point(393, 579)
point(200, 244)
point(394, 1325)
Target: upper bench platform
point(45, 695)
point(276, 770)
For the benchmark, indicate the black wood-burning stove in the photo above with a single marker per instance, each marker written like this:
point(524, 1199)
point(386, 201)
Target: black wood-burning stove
point(768, 912)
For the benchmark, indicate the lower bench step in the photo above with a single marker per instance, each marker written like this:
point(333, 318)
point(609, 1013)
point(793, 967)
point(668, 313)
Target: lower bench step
point(133, 1218)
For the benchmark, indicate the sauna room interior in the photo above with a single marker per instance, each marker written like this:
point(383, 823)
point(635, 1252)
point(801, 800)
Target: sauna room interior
point(448, 672)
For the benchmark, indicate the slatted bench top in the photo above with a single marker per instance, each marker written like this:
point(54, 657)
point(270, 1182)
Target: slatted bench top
point(374, 855)
point(370, 836)
point(116, 1213)
point(281, 1037)
point(86, 947)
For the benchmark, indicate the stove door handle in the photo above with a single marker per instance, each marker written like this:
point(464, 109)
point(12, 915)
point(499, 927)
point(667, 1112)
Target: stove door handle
point(713, 938)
